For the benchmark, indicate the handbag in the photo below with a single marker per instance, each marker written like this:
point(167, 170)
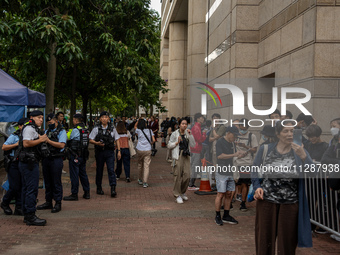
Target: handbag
point(131, 148)
point(153, 151)
point(251, 193)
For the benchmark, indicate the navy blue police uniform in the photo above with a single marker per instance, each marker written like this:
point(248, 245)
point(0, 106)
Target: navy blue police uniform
point(29, 168)
point(52, 165)
point(105, 154)
point(78, 154)
point(13, 173)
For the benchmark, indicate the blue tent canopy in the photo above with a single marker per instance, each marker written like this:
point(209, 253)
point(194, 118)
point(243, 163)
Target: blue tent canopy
point(14, 97)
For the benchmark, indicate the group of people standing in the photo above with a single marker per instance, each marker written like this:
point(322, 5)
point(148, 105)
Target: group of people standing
point(282, 209)
point(30, 144)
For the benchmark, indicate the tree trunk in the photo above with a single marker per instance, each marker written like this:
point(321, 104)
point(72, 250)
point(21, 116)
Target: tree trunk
point(91, 122)
point(73, 95)
point(136, 106)
point(85, 103)
point(51, 74)
point(151, 110)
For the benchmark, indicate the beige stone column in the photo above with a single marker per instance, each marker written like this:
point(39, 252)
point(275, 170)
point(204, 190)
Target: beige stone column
point(196, 54)
point(177, 68)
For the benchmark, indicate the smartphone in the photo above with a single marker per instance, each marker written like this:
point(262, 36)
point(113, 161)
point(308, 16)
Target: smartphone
point(297, 136)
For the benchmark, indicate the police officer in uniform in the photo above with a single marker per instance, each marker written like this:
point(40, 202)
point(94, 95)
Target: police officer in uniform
point(53, 164)
point(103, 137)
point(29, 157)
point(78, 154)
point(10, 148)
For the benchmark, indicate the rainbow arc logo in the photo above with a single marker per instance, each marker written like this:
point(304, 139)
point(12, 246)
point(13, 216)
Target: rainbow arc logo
point(209, 93)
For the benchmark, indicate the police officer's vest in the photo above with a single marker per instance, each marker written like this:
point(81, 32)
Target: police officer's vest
point(29, 154)
point(104, 135)
point(53, 136)
point(80, 148)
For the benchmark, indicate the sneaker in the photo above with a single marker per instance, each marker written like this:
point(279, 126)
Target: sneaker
point(140, 182)
point(145, 185)
point(63, 171)
point(321, 231)
point(184, 197)
point(218, 220)
point(229, 220)
point(233, 200)
point(243, 208)
point(179, 200)
point(117, 178)
point(336, 238)
point(128, 179)
point(239, 197)
point(193, 188)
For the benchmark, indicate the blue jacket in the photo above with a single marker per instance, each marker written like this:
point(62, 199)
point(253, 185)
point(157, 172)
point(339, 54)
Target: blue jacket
point(304, 225)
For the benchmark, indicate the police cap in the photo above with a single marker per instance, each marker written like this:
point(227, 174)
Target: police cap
point(22, 121)
point(36, 113)
point(78, 116)
point(104, 113)
point(49, 117)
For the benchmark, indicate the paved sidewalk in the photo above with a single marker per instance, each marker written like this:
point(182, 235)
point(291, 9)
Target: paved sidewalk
point(139, 221)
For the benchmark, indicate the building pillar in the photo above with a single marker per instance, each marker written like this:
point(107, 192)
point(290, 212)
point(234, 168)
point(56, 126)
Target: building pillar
point(177, 68)
point(196, 54)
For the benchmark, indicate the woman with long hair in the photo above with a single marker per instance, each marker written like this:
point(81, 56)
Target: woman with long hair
point(180, 143)
point(143, 148)
point(124, 136)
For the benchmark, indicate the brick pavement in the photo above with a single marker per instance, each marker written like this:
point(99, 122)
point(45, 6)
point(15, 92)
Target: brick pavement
point(139, 221)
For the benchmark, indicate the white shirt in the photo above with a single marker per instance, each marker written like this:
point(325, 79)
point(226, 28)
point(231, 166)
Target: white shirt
point(29, 133)
point(94, 132)
point(143, 144)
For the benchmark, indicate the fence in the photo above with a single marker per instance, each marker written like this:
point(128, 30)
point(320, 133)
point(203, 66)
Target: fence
point(322, 203)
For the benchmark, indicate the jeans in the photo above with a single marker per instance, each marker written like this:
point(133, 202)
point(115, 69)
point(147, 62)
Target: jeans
point(125, 159)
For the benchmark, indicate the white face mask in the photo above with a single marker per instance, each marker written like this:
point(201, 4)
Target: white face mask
point(334, 131)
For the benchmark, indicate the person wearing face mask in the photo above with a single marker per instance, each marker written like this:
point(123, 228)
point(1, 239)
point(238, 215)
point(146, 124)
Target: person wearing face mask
point(246, 143)
point(53, 164)
point(335, 128)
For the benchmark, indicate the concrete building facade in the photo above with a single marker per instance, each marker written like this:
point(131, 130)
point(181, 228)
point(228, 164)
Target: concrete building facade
point(262, 44)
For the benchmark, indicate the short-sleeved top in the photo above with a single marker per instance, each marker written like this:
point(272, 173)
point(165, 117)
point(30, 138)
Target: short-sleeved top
point(123, 140)
point(12, 139)
point(29, 133)
point(94, 132)
point(75, 135)
point(225, 147)
point(248, 159)
point(280, 187)
point(143, 144)
point(62, 137)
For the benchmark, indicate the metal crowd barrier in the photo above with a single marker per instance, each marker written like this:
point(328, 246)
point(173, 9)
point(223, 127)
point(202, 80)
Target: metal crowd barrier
point(322, 203)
